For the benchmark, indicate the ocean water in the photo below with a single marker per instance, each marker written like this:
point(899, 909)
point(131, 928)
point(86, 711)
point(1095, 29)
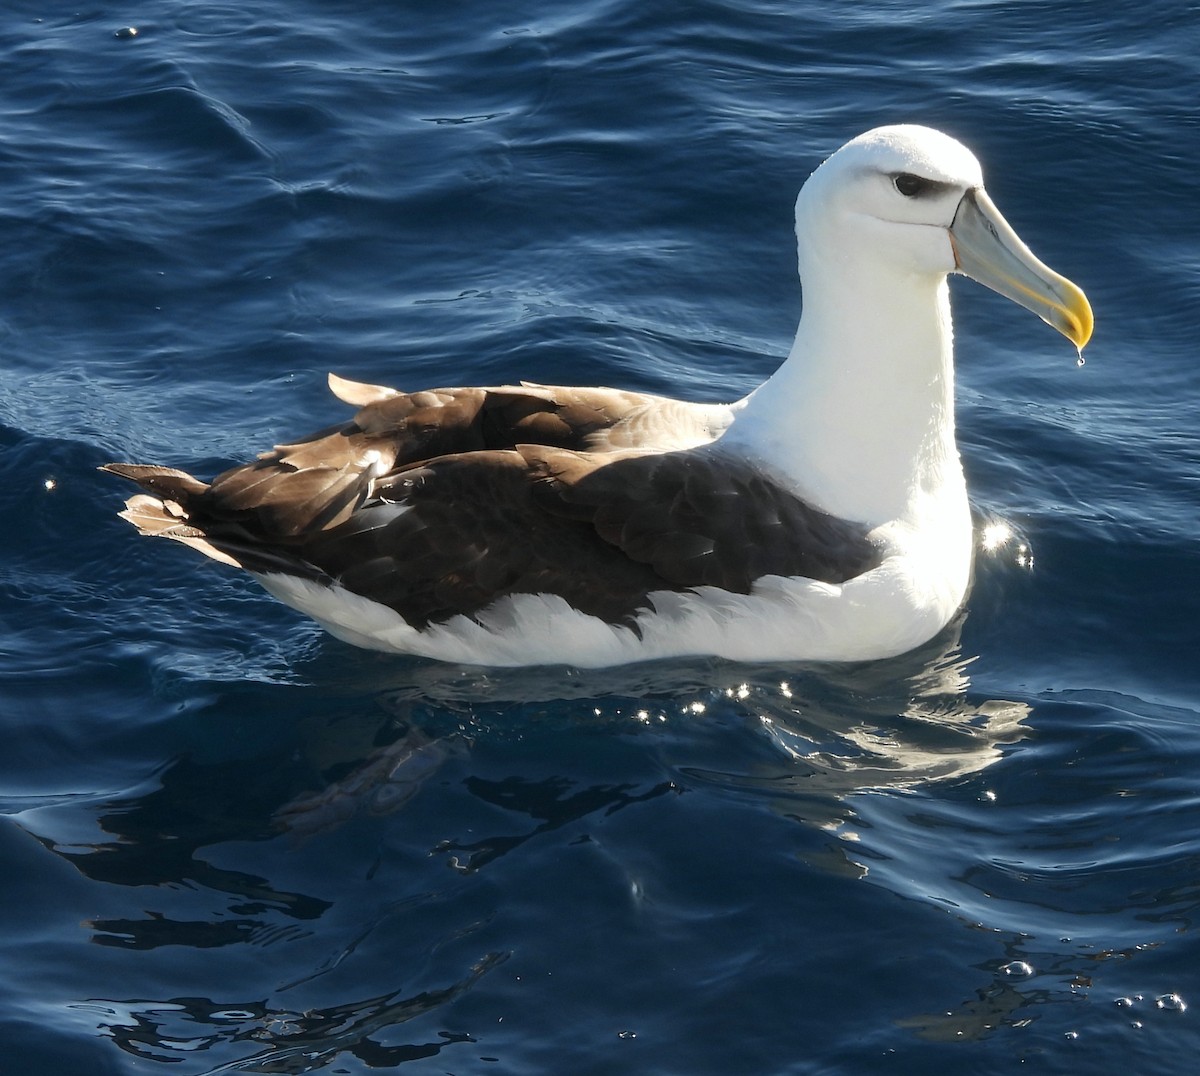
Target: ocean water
point(232, 844)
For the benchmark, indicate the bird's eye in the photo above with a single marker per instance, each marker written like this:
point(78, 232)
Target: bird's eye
point(909, 185)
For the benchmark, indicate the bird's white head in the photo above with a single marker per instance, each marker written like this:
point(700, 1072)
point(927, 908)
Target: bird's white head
point(892, 194)
point(910, 199)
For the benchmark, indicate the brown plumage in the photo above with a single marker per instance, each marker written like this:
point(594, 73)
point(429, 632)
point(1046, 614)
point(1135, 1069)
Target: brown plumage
point(437, 503)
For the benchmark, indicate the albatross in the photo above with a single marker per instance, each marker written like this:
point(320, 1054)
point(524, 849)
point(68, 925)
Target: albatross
point(823, 517)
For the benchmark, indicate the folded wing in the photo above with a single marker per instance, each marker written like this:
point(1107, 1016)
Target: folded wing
point(438, 503)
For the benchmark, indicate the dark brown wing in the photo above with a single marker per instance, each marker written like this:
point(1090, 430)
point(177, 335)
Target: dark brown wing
point(319, 507)
point(702, 518)
point(453, 535)
point(438, 503)
point(319, 481)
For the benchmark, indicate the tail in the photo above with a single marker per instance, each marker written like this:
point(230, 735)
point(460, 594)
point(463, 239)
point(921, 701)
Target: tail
point(164, 510)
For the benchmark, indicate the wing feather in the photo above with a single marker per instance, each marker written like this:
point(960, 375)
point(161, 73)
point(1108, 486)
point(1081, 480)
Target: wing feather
point(437, 503)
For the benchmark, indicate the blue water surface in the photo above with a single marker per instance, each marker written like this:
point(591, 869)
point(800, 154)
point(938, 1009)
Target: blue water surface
point(233, 844)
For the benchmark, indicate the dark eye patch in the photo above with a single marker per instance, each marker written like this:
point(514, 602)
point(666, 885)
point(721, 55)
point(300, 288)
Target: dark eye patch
point(914, 186)
point(908, 184)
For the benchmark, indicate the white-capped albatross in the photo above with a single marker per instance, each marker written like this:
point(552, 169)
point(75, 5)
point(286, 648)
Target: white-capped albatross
point(823, 517)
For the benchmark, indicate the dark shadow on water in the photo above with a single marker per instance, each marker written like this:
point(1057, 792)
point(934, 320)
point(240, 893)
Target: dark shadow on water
point(281, 1041)
point(156, 840)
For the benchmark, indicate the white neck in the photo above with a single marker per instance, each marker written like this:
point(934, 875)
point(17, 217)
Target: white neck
point(860, 418)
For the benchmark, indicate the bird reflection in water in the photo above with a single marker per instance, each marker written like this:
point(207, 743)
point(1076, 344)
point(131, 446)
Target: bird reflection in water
point(803, 742)
point(381, 783)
